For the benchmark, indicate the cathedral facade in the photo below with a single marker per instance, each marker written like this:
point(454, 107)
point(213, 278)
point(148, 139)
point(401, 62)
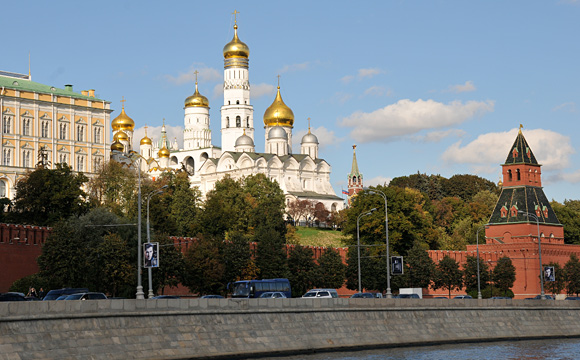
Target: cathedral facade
point(303, 176)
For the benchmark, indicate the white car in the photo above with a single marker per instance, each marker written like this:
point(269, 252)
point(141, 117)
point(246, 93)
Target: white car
point(321, 294)
point(273, 295)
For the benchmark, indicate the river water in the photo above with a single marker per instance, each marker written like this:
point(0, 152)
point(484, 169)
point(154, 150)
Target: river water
point(513, 350)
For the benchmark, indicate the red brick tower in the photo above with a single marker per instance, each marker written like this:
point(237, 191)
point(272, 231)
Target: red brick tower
point(355, 178)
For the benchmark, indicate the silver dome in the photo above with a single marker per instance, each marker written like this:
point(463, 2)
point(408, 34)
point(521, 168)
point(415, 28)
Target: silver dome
point(244, 140)
point(309, 138)
point(277, 132)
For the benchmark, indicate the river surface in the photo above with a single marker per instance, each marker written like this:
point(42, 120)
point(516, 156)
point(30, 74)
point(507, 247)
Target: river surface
point(509, 350)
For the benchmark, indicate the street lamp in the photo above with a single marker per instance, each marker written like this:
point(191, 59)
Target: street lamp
point(478, 278)
point(388, 295)
point(358, 244)
point(542, 294)
point(149, 272)
point(134, 156)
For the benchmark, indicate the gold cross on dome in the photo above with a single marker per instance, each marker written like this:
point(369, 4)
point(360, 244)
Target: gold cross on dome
point(196, 72)
point(123, 102)
point(278, 76)
point(235, 13)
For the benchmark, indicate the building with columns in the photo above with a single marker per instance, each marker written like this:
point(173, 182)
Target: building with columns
point(60, 125)
point(303, 176)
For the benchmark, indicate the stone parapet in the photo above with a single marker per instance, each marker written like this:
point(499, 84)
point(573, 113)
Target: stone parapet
point(213, 328)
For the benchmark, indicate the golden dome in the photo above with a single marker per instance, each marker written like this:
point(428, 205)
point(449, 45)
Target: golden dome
point(146, 141)
point(196, 99)
point(278, 113)
point(163, 153)
point(117, 146)
point(123, 122)
point(236, 48)
point(120, 136)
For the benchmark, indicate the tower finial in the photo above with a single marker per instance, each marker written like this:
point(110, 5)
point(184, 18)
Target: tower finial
point(309, 125)
point(235, 13)
point(123, 102)
point(278, 76)
point(521, 127)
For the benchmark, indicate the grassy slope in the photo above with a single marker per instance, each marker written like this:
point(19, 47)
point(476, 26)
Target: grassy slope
point(320, 237)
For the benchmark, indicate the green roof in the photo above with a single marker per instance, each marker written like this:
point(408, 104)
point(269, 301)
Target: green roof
point(28, 85)
point(528, 199)
point(520, 152)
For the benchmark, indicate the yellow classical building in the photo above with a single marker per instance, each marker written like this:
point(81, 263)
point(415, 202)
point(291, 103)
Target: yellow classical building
point(63, 125)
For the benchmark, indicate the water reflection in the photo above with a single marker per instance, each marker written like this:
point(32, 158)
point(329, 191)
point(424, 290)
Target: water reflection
point(562, 349)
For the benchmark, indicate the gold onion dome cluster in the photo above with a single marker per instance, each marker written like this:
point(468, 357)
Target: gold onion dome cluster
point(123, 122)
point(164, 152)
point(236, 48)
point(196, 100)
point(120, 136)
point(117, 146)
point(278, 113)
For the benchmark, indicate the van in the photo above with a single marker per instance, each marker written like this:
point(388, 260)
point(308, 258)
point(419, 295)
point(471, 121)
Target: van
point(321, 294)
point(54, 294)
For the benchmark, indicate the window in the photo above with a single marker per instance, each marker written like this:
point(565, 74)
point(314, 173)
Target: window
point(6, 125)
point(6, 157)
point(44, 129)
point(80, 133)
point(227, 121)
point(238, 121)
point(26, 127)
point(97, 135)
point(62, 158)
point(80, 163)
point(3, 188)
point(26, 158)
point(248, 121)
point(96, 163)
point(62, 132)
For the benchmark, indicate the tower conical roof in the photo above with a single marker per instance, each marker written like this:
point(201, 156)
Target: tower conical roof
point(354, 170)
point(520, 152)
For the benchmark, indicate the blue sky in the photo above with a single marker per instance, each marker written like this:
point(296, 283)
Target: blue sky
point(437, 87)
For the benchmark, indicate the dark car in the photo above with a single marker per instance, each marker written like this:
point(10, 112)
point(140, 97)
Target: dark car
point(87, 296)
point(55, 294)
point(407, 296)
point(165, 297)
point(463, 297)
point(500, 297)
point(212, 297)
point(12, 296)
point(363, 295)
point(539, 297)
point(572, 298)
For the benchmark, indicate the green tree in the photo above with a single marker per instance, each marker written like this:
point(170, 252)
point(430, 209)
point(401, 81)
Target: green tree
point(467, 186)
point(419, 268)
point(271, 256)
point(572, 274)
point(331, 270)
point(302, 269)
point(470, 274)
point(237, 257)
point(114, 187)
point(448, 275)
point(185, 204)
point(171, 265)
point(45, 196)
point(569, 216)
point(116, 271)
point(204, 268)
point(504, 274)
point(559, 283)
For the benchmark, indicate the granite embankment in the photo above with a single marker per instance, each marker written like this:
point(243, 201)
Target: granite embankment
point(226, 328)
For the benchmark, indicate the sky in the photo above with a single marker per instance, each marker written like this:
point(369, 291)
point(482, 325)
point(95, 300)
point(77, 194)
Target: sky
point(435, 87)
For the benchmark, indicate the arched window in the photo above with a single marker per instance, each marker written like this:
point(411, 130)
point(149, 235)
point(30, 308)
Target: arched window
point(238, 121)
point(518, 175)
point(3, 188)
point(6, 125)
point(26, 127)
point(97, 135)
point(509, 175)
point(227, 121)
point(6, 157)
point(80, 133)
point(44, 129)
point(237, 102)
point(26, 158)
point(80, 163)
point(62, 133)
point(248, 121)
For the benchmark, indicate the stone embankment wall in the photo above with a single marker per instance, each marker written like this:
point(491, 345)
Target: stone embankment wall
point(225, 328)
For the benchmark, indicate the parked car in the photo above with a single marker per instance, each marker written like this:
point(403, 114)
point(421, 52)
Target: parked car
point(539, 297)
point(166, 297)
point(87, 296)
point(463, 297)
point(212, 297)
point(321, 294)
point(12, 296)
point(364, 295)
point(500, 297)
point(407, 296)
point(572, 298)
point(56, 293)
point(273, 295)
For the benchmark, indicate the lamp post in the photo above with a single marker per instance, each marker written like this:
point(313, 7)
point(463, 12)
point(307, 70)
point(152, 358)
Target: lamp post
point(478, 278)
point(149, 271)
point(139, 294)
point(388, 295)
point(542, 294)
point(358, 244)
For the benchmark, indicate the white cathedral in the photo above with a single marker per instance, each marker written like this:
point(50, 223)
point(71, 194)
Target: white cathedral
point(302, 176)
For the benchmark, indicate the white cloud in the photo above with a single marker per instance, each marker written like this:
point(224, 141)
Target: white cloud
point(346, 79)
point(408, 117)
point(378, 180)
point(260, 90)
point(295, 67)
point(377, 91)
point(326, 138)
point(436, 136)
point(552, 150)
point(154, 133)
point(205, 74)
point(467, 87)
point(368, 73)
point(568, 107)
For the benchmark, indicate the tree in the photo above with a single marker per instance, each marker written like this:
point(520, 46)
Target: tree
point(504, 274)
point(338, 219)
point(569, 216)
point(114, 187)
point(116, 271)
point(204, 268)
point(237, 257)
point(298, 209)
point(448, 275)
point(556, 286)
point(271, 254)
point(320, 213)
point(45, 196)
point(470, 274)
point(171, 266)
point(572, 274)
point(331, 270)
point(419, 268)
point(301, 269)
